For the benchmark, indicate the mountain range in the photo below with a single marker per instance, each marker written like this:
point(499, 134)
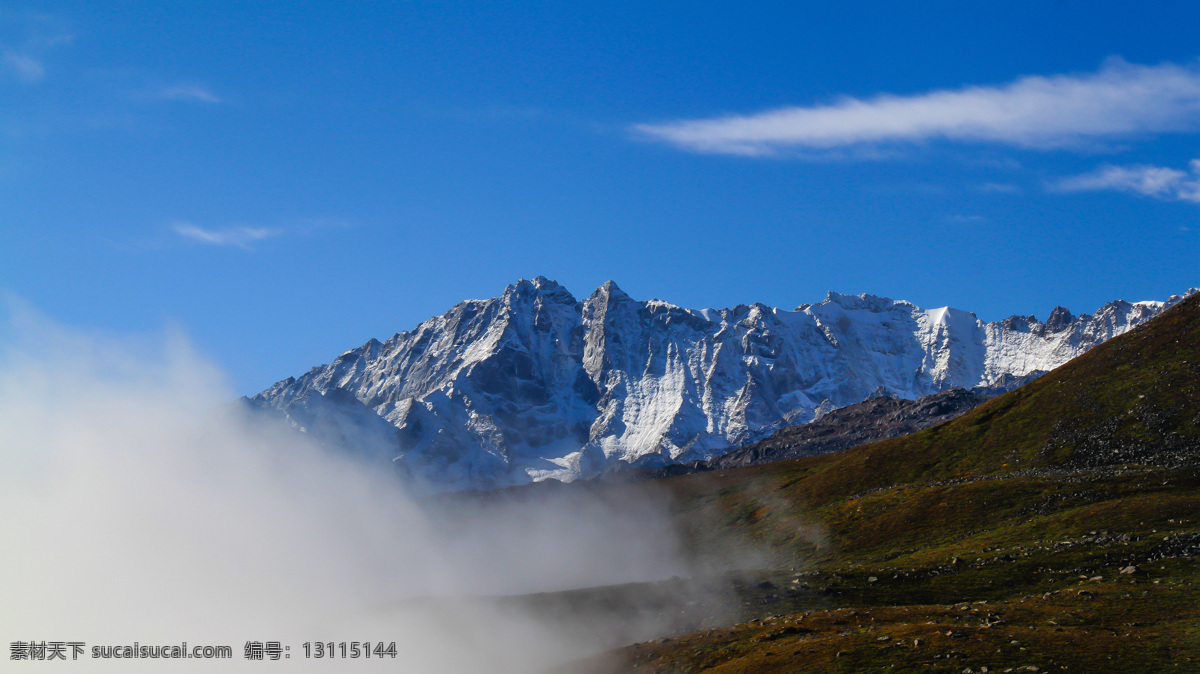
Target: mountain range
point(1051, 528)
point(537, 384)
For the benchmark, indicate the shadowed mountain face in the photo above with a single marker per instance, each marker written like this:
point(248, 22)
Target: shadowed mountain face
point(536, 384)
point(869, 421)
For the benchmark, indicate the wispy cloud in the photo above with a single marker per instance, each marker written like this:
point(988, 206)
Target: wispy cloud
point(998, 188)
point(1159, 182)
point(1119, 100)
point(966, 219)
point(237, 237)
point(26, 68)
point(189, 93)
point(26, 38)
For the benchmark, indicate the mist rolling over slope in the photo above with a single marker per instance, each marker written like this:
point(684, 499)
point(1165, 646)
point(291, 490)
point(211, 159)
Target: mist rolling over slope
point(537, 384)
point(142, 507)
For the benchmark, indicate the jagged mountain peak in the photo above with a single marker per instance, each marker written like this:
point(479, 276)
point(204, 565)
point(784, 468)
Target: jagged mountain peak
point(535, 384)
point(537, 287)
point(607, 292)
point(610, 287)
point(948, 314)
point(1060, 319)
point(861, 302)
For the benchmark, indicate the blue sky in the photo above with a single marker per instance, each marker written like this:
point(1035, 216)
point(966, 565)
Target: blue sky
point(283, 181)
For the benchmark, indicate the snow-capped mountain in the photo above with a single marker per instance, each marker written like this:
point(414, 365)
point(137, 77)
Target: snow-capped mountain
point(537, 384)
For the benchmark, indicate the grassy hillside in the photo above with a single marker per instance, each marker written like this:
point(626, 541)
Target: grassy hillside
point(1034, 503)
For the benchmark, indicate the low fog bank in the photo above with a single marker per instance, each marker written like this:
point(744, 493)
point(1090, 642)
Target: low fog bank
point(141, 506)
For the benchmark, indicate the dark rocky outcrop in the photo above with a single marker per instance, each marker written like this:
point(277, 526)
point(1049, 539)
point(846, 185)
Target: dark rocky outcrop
point(869, 421)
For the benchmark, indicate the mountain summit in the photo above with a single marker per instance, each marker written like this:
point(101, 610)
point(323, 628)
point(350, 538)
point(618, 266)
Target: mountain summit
point(536, 384)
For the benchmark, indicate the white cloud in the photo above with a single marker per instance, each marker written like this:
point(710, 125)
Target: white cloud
point(26, 68)
point(998, 188)
point(238, 237)
point(1159, 182)
point(965, 219)
point(28, 37)
point(139, 505)
point(1119, 100)
point(189, 93)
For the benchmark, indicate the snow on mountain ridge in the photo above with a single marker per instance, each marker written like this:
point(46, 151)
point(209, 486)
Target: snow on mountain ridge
point(537, 384)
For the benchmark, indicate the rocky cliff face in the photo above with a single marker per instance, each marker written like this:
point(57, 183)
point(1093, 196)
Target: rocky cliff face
point(536, 384)
point(869, 421)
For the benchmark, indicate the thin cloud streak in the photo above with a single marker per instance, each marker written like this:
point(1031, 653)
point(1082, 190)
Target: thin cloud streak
point(1159, 182)
point(29, 36)
point(189, 93)
point(998, 188)
point(1119, 100)
point(965, 219)
point(237, 237)
point(26, 68)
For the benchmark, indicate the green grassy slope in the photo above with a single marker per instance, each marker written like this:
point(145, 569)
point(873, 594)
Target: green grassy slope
point(1033, 502)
